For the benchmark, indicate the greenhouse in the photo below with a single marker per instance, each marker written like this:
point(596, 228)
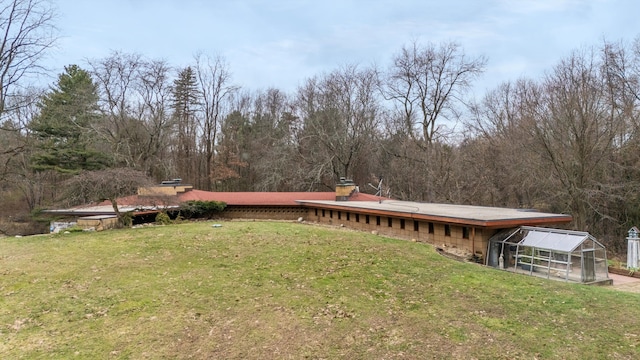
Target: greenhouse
point(550, 253)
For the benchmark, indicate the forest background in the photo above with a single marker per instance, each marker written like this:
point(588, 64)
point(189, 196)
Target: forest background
point(565, 142)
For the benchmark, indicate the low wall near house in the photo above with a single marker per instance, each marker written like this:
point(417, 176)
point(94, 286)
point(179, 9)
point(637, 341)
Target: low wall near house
point(98, 222)
point(264, 212)
point(57, 226)
point(462, 241)
point(625, 272)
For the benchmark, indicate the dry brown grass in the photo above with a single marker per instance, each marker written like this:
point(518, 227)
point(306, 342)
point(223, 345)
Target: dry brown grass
point(258, 290)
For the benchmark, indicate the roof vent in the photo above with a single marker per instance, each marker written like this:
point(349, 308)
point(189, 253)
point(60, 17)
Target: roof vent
point(175, 181)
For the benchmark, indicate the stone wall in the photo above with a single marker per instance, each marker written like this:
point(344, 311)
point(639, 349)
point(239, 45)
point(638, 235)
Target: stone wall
point(456, 239)
point(97, 223)
point(264, 212)
point(460, 240)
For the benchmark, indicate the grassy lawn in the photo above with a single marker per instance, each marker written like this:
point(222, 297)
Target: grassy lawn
point(270, 290)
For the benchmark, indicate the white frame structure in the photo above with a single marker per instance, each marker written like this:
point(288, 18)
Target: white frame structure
point(551, 253)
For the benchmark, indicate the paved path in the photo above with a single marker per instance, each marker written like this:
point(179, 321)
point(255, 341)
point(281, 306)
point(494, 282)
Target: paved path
point(625, 283)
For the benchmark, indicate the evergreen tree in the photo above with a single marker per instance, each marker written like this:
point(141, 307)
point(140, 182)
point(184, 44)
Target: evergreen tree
point(185, 102)
point(64, 125)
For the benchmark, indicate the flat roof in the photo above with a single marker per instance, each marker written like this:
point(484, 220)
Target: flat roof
point(141, 203)
point(97, 217)
point(479, 216)
point(101, 210)
point(448, 213)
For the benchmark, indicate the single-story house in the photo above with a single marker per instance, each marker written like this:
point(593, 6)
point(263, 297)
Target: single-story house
point(461, 229)
point(483, 234)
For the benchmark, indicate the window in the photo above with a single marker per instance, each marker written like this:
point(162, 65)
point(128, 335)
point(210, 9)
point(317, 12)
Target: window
point(465, 232)
point(366, 219)
point(389, 222)
point(331, 214)
point(322, 212)
point(339, 215)
point(430, 228)
point(416, 226)
point(357, 217)
point(378, 220)
point(348, 216)
point(447, 230)
point(402, 224)
point(316, 212)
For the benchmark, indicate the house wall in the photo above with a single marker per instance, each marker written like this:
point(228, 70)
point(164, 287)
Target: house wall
point(264, 212)
point(98, 224)
point(452, 238)
point(163, 190)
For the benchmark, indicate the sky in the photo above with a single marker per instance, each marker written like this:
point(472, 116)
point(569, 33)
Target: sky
point(281, 43)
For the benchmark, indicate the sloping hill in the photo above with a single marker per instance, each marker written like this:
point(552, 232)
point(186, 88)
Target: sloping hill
point(263, 290)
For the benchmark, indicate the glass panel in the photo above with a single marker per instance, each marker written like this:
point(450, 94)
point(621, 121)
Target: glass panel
point(552, 241)
point(588, 266)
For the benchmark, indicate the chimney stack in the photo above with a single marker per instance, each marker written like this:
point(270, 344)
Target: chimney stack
point(344, 189)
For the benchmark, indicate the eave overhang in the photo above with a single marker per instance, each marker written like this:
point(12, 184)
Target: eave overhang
point(531, 218)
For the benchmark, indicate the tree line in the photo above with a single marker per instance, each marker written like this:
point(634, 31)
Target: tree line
point(565, 142)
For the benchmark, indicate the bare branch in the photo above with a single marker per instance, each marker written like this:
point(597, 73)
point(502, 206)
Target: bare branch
point(26, 33)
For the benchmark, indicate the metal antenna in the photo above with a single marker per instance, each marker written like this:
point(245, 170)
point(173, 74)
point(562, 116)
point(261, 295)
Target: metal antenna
point(378, 188)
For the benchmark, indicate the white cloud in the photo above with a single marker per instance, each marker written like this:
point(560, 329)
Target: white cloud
point(281, 43)
point(530, 7)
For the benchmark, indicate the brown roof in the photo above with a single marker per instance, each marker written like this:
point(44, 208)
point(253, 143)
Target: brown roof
point(238, 198)
point(137, 200)
point(267, 198)
point(369, 204)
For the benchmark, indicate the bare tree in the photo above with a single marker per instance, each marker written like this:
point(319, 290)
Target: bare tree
point(428, 84)
point(116, 77)
point(497, 162)
point(108, 184)
point(622, 69)
point(273, 128)
point(214, 80)
point(230, 168)
point(153, 114)
point(26, 32)
point(340, 115)
point(17, 167)
point(576, 129)
point(135, 103)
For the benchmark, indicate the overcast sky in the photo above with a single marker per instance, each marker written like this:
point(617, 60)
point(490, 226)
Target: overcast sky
point(280, 43)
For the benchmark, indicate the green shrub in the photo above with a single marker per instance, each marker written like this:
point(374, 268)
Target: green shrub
point(179, 218)
point(201, 209)
point(127, 219)
point(37, 215)
point(163, 218)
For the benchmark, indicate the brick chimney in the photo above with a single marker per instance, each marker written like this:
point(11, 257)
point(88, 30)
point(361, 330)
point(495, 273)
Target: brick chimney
point(344, 189)
point(167, 187)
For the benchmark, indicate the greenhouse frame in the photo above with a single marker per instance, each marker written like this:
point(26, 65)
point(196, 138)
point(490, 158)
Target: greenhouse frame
point(550, 253)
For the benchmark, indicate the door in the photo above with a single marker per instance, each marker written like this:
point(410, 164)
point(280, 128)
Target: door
point(588, 266)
